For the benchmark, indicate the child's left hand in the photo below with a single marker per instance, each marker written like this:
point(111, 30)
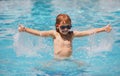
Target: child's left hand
point(107, 28)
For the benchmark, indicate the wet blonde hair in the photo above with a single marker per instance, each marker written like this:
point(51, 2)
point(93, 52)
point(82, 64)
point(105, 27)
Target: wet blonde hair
point(62, 19)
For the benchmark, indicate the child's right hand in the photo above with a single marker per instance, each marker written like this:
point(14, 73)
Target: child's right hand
point(21, 28)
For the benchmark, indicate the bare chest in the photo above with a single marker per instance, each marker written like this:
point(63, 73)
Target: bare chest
point(63, 42)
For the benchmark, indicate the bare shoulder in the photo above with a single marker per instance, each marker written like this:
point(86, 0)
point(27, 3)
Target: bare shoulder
point(54, 33)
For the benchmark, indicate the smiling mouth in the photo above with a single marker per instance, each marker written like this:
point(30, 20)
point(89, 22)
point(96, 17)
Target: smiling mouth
point(64, 31)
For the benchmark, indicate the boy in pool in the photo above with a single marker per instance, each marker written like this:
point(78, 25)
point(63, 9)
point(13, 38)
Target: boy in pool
point(62, 36)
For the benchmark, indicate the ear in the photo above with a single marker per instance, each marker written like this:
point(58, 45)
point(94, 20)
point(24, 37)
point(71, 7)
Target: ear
point(57, 26)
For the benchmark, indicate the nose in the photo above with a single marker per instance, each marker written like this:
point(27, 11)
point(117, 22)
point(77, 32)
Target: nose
point(65, 29)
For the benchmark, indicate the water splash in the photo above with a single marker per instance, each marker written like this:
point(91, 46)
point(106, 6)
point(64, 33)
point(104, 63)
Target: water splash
point(99, 43)
point(26, 45)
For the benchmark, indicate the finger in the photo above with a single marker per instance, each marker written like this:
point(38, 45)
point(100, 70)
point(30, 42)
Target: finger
point(109, 25)
point(20, 25)
point(19, 28)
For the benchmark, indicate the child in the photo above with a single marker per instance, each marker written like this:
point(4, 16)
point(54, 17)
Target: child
point(62, 36)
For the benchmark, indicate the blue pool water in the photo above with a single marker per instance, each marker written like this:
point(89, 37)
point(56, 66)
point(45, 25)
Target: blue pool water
point(22, 54)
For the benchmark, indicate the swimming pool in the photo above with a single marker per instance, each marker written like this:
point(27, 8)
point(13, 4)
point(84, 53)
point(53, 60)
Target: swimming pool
point(22, 54)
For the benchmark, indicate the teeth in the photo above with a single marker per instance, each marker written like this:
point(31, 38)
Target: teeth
point(64, 31)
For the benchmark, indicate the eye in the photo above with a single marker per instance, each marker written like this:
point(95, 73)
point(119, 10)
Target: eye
point(69, 27)
point(62, 27)
point(66, 26)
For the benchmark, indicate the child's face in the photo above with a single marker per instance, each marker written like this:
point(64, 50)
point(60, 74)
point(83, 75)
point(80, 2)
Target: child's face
point(64, 29)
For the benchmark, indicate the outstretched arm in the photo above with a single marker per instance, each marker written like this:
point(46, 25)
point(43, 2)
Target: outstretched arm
point(36, 32)
point(107, 28)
